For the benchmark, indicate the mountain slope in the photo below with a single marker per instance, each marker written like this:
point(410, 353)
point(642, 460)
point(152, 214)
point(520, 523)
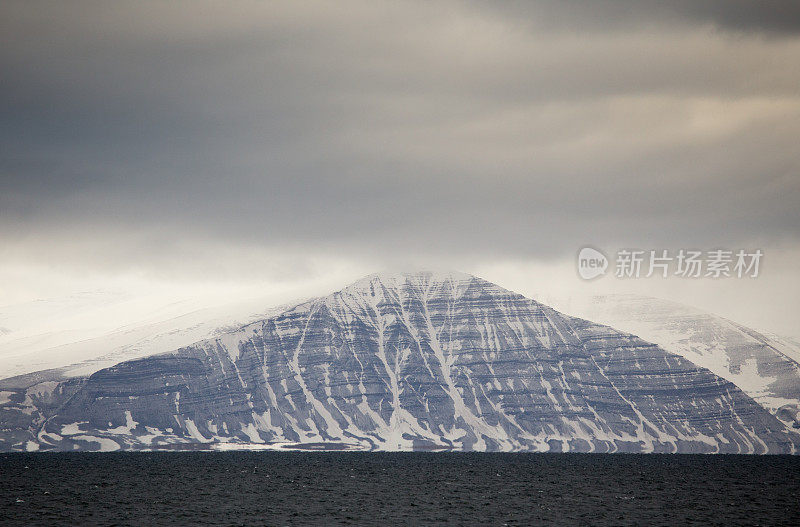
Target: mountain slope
point(412, 361)
point(81, 334)
point(765, 367)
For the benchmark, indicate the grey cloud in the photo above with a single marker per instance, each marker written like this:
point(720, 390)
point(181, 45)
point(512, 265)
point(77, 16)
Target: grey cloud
point(447, 129)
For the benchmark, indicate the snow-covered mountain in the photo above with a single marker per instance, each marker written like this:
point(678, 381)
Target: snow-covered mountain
point(765, 367)
point(82, 333)
point(404, 361)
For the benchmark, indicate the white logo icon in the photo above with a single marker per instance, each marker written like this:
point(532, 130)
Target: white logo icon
point(591, 263)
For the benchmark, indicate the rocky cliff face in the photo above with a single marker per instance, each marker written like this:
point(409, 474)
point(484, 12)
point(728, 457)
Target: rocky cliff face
point(412, 361)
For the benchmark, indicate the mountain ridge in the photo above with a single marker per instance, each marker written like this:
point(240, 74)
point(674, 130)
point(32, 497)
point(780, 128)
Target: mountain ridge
point(763, 366)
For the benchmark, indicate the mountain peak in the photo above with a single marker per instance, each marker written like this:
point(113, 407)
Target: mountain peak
point(424, 285)
point(415, 276)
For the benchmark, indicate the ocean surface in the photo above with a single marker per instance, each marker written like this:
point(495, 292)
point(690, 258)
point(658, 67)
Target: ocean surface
point(348, 488)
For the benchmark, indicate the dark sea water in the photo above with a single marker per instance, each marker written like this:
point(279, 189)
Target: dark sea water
point(345, 488)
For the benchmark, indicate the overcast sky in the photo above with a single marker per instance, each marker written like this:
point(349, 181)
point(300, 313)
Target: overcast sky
point(267, 142)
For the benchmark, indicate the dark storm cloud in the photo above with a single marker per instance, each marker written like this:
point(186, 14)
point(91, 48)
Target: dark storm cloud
point(744, 15)
point(780, 16)
point(446, 129)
